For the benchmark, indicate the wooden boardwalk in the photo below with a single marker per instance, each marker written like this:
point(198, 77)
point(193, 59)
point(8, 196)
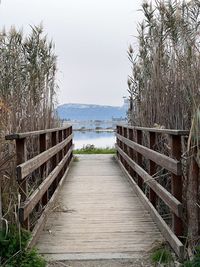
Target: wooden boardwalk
point(97, 215)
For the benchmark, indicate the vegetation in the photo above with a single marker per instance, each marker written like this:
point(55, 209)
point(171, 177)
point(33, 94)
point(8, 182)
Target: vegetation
point(27, 99)
point(91, 149)
point(164, 88)
point(13, 251)
point(162, 257)
point(195, 261)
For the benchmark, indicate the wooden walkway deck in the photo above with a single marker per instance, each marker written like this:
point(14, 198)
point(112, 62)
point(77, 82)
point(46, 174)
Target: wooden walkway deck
point(98, 215)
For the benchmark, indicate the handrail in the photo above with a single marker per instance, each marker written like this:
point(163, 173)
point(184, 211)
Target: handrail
point(131, 150)
point(15, 136)
point(27, 207)
point(156, 130)
point(30, 165)
point(162, 160)
point(50, 168)
point(166, 196)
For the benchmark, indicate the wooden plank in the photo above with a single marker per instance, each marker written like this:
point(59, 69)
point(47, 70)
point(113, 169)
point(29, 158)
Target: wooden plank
point(152, 167)
point(29, 166)
point(29, 134)
point(166, 196)
point(176, 184)
point(168, 163)
point(97, 213)
point(43, 167)
point(41, 222)
point(175, 243)
point(157, 130)
point(35, 197)
point(21, 155)
point(139, 138)
point(94, 256)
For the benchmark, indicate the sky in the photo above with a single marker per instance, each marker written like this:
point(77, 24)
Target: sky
point(91, 40)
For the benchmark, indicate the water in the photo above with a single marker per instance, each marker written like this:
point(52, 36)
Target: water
point(98, 139)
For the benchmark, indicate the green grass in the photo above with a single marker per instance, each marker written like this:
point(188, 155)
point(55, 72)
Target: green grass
point(195, 261)
point(91, 149)
point(162, 256)
point(13, 252)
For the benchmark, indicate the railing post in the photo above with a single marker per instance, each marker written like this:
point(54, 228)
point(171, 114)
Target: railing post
point(54, 140)
point(21, 156)
point(125, 148)
point(54, 160)
point(71, 143)
point(176, 183)
point(65, 136)
point(117, 141)
point(120, 144)
point(130, 137)
point(152, 167)
point(139, 156)
point(60, 139)
point(43, 147)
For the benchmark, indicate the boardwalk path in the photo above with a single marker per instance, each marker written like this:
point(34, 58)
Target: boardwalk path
point(98, 215)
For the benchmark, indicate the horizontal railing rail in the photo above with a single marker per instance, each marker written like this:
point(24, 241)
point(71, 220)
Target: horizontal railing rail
point(137, 156)
point(46, 171)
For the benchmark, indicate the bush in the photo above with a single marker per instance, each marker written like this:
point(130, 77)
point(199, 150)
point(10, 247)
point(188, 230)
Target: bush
point(13, 252)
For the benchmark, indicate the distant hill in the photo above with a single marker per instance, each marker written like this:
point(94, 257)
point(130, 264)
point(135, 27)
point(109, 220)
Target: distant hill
point(84, 112)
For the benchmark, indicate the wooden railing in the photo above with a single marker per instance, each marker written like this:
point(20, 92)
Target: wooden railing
point(132, 155)
point(40, 177)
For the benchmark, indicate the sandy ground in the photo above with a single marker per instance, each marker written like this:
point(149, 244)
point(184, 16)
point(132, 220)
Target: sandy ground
point(103, 263)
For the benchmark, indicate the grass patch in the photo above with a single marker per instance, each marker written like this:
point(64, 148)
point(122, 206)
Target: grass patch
point(195, 261)
point(162, 257)
point(91, 149)
point(13, 252)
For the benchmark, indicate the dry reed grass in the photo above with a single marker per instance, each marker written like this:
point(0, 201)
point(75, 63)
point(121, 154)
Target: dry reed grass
point(164, 87)
point(27, 100)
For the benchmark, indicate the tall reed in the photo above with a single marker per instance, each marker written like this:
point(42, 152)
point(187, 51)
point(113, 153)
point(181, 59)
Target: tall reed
point(27, 98)
point(164, 85)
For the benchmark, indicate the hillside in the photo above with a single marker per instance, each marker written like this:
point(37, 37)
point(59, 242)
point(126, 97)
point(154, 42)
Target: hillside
point(84, 112)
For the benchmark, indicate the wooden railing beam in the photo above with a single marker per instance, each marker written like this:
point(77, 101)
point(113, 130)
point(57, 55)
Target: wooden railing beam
point(168, 163)
point(176, 184)
point(165, 195)
point(29, 166)
point(21, 156)
point(139, 156)
point(152, 168)
point(43, 147)
point(35, 197)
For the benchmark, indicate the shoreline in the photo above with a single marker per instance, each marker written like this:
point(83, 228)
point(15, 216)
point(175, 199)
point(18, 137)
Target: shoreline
point(95, 130)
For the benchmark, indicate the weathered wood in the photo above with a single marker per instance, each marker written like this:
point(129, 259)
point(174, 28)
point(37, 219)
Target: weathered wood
point(41, 222)
point(21, 156)
point(168, 163)
point(60, 139)
point(29, 134)
point(35, 197)
point(157, 130)
point(43, 147)
point(139, 156)
point(97, 212)
point(175, 243)
point(176, 183)
point(29, 166)
point(152, 167)
point(166, 196)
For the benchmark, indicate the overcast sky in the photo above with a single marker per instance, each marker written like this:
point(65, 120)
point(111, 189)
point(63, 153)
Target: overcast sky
point(91, 39)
